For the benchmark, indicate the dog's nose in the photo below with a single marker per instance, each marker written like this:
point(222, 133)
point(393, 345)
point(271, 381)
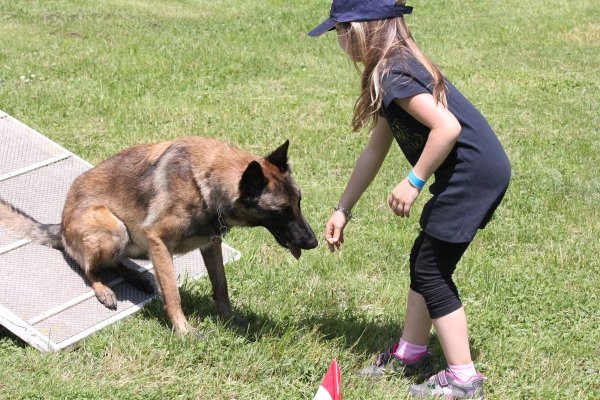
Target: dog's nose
point(310, 243)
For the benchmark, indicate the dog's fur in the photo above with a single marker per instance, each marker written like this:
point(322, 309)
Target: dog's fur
point(156, 200)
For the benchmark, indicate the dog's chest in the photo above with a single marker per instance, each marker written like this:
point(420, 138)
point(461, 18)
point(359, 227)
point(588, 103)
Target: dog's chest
point(192, 243)
point(180, 245)
point(190, 231)
point(134, 250)
point(197, 233)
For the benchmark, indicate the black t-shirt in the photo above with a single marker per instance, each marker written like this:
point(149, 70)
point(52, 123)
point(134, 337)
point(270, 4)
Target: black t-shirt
point(471, 182)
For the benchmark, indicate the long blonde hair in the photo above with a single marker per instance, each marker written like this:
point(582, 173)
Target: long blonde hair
point(373, 44)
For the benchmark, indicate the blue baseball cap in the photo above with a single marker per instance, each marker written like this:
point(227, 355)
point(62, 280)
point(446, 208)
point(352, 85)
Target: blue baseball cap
point(359, 10)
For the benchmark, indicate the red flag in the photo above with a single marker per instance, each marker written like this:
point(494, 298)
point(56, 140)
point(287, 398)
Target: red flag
point(331, 387)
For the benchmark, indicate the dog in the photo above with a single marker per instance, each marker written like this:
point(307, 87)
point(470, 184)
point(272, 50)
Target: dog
point(151, 201)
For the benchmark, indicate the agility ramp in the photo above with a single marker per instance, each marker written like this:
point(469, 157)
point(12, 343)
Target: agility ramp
point(44, 298)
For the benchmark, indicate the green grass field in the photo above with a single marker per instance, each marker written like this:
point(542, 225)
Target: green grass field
point(98, 76)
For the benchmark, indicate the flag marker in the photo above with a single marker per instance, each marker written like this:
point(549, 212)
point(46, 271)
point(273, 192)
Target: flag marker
point(331, 387)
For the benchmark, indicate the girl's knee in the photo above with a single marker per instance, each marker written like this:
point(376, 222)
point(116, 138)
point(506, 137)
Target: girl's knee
point(440, 294)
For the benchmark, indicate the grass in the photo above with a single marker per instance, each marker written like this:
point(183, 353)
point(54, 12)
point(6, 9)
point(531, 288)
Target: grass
point(99, 76)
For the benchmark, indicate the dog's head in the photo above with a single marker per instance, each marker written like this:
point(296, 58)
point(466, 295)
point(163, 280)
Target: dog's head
point(270, 198)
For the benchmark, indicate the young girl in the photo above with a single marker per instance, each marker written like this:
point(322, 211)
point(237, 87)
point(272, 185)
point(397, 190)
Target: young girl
point(405, 97)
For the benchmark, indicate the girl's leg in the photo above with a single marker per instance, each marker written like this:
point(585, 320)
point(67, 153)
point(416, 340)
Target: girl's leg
point(431, 277)
point(452, 332)
point(417, 325)
point(461, 378)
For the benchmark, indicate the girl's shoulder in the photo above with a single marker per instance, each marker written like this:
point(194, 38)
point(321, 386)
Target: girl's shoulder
point(406, 65)
point(405, 76)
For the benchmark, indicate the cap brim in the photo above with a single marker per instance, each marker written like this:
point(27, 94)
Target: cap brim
point(326, 26)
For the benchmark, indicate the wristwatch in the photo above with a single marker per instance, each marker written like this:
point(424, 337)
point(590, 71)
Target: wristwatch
point(347, 213)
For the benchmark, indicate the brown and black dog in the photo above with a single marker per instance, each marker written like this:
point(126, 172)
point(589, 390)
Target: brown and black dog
point(156, 200)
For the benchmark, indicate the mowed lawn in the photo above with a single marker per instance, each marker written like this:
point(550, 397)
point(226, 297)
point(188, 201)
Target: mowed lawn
point(98, 76)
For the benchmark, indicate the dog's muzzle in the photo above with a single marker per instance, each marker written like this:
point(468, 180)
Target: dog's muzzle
point(296, 250)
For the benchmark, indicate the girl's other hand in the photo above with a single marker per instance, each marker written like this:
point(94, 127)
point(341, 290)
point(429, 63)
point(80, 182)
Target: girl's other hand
point(402, 198)
point(334, 231)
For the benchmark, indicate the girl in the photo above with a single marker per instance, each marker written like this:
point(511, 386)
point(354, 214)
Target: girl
point(405, 97)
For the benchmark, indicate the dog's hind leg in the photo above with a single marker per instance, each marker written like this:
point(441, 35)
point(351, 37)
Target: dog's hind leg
point(104, 294)
point(213, 260)
point(95, 238)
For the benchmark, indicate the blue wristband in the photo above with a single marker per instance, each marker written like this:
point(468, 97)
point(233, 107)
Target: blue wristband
point(415, 180)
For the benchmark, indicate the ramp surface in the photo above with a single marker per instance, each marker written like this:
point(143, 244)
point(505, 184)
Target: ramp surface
point(44, 298)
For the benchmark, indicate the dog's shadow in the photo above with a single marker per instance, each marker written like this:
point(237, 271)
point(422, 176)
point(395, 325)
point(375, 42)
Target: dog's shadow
point(361, 336)
point(123, 288)
point(358, 334)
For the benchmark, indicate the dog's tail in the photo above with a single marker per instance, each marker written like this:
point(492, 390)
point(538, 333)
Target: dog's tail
point(18, 223)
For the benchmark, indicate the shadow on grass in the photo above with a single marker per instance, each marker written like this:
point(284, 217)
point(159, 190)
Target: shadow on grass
point(370, 338)
point(17, 341)
point(358, 335)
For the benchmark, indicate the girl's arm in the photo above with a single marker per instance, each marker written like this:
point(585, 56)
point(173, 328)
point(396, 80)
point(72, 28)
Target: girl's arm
point(445, 130)
point(366, 168)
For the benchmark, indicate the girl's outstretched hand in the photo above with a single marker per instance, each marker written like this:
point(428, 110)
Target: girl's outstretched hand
point(334, 230)
point(402, 198)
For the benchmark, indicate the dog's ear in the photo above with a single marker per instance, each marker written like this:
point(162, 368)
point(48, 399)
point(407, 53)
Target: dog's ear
point(253, 182)
point(279, 157)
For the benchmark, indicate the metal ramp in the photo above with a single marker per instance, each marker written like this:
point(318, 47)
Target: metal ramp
point(44, 298)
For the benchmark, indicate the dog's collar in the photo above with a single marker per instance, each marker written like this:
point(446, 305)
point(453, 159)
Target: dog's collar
point(221, 229)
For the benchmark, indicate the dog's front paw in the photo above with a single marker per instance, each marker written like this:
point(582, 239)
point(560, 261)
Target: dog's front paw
point(182, 327)
point(224, 310)
point(190, 332)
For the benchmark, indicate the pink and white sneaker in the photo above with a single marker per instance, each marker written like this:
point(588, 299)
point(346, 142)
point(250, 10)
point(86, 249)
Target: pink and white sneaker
point(446, 386)
point(388, 363)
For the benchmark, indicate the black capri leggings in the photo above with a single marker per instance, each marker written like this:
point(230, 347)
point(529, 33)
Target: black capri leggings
point(432, 262)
